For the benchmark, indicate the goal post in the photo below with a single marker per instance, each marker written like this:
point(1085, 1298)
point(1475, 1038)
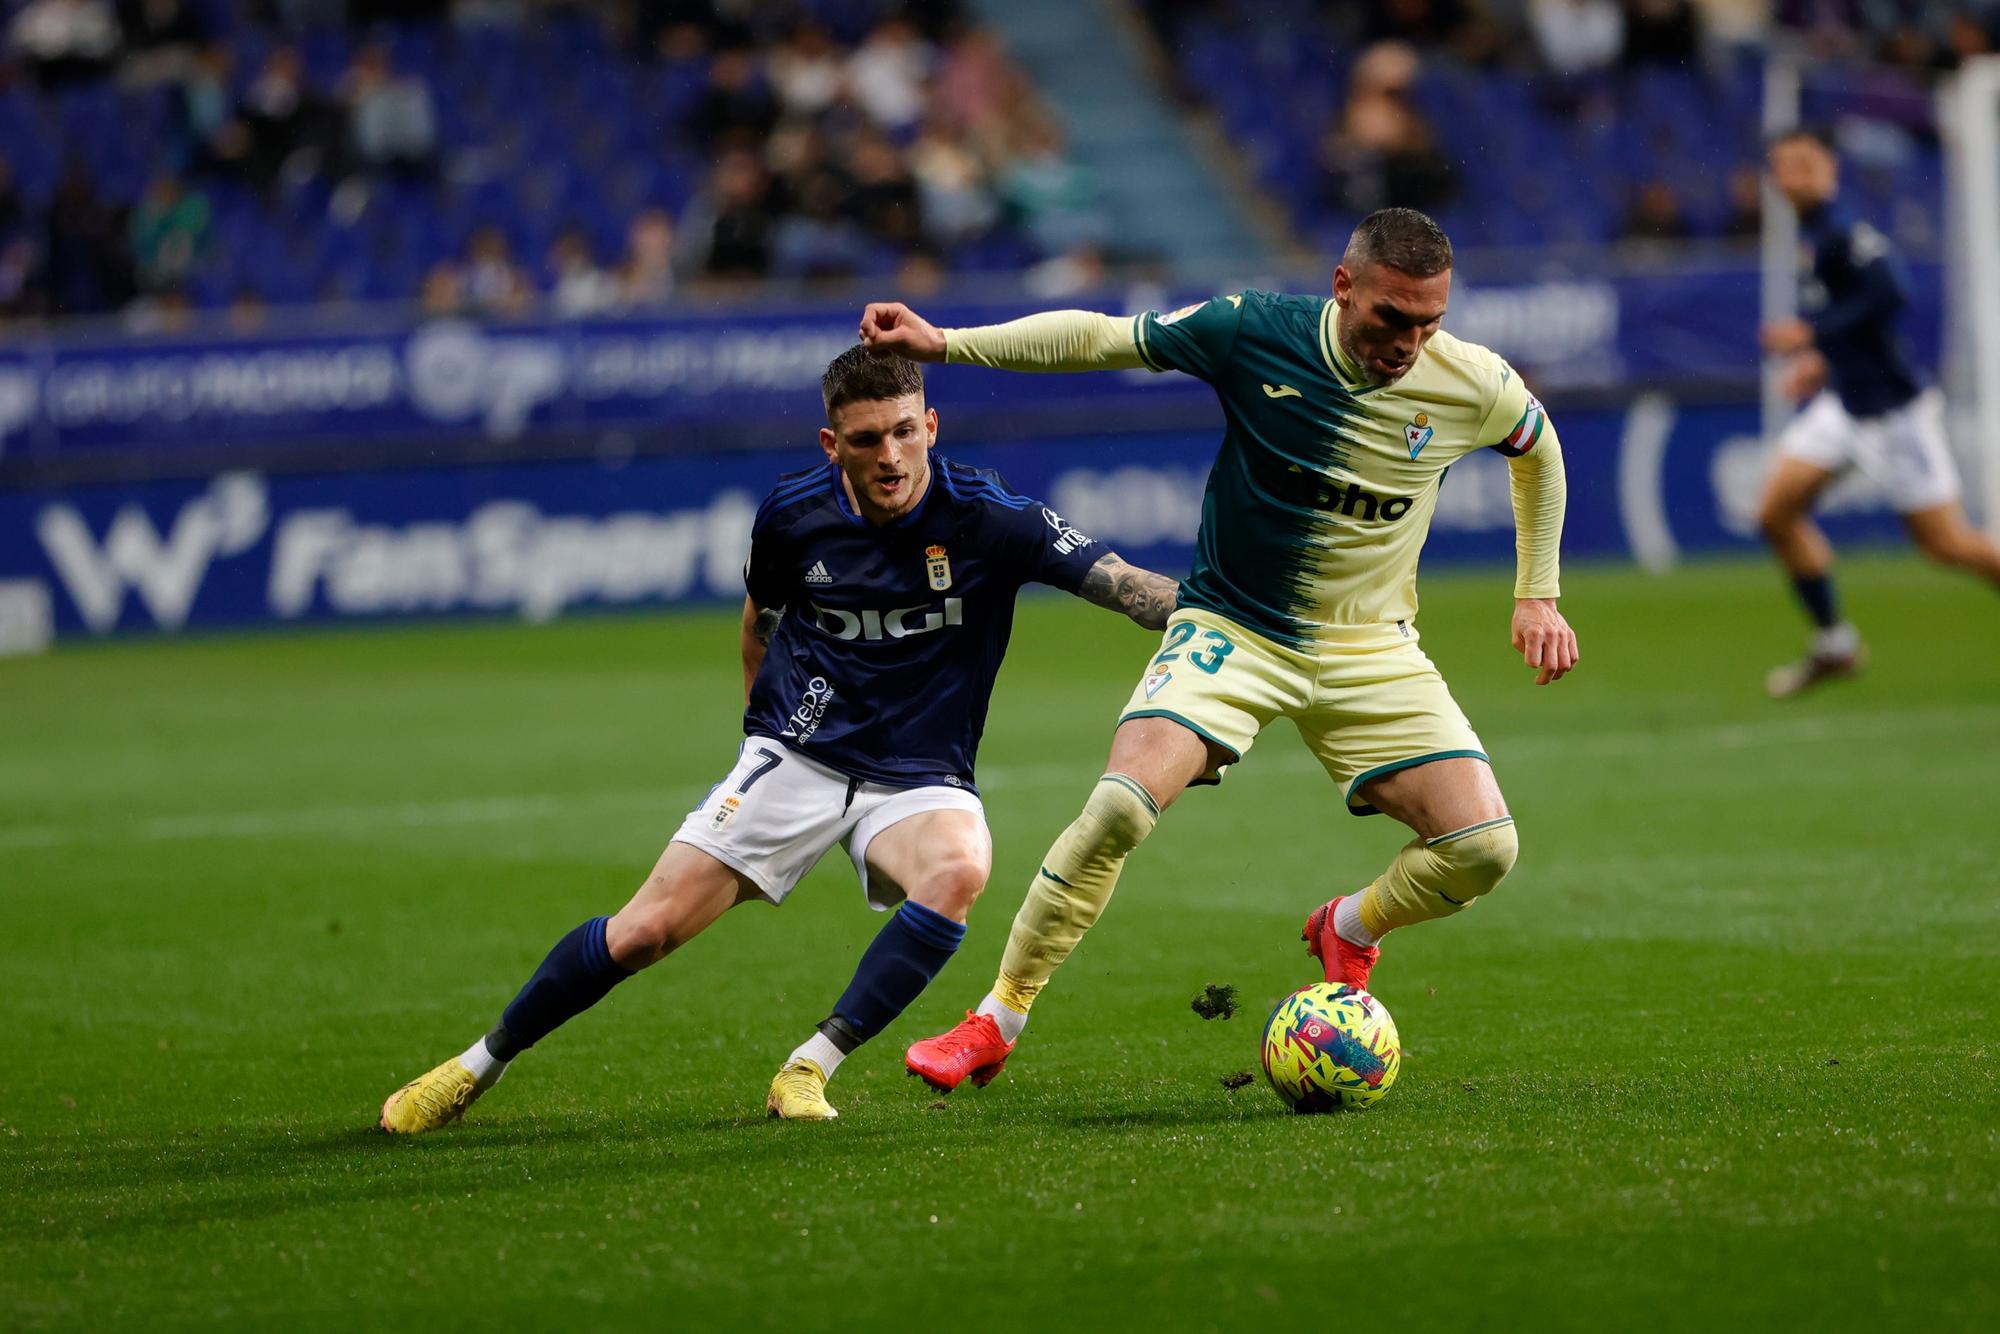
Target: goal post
point(1969, 115)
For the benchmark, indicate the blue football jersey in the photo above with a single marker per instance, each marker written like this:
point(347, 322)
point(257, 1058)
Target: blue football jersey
point(1852, 297)
point(884, 661)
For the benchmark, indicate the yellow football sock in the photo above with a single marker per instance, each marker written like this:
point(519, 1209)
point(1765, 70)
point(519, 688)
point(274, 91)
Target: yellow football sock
point(1072, 886)
point(1439, 876)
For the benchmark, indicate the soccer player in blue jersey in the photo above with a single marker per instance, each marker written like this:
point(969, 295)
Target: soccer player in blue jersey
point(1868, 410)
point(881, 596)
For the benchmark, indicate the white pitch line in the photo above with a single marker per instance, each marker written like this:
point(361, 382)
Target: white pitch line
point(1275, 758)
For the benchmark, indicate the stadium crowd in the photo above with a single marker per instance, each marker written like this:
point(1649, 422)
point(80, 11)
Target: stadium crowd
point(504, 157)
point(515, 157)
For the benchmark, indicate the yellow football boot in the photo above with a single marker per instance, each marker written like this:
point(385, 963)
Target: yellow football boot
point(432, 1101)
point(799, 1093)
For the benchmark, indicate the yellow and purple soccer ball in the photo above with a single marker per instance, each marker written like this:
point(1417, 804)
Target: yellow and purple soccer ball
point(1327, 1047)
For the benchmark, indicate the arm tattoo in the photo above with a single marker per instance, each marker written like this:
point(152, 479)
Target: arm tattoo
point(766, 623)
point(1146, 597)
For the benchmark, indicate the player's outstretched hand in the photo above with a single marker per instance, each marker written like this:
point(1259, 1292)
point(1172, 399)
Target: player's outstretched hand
point(1543, 639)
point(892, 327)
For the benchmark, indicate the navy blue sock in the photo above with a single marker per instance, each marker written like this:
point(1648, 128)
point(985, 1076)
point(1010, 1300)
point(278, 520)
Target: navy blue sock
point(578, 973)
point(909, 950)
point(1816, 592)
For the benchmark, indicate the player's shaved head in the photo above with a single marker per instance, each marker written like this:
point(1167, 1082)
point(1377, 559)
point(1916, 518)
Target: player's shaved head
point(1401, 239)
point(858, 375)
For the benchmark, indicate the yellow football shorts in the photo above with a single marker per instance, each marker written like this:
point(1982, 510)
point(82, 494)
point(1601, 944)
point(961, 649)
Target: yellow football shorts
point(1366, 699)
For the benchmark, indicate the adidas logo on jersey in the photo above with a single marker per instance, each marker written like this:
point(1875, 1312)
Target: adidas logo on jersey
point(817, 574)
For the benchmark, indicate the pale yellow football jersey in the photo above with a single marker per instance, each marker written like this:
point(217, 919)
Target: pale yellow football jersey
point(1324, 486)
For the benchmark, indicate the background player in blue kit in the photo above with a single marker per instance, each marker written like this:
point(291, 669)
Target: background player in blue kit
point(881, 596)
point(1868, 410)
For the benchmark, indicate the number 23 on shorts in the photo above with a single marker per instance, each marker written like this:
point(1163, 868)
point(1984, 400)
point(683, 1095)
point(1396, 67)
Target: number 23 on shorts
point(1208, 656)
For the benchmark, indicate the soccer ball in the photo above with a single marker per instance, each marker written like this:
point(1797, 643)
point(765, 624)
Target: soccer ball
point(1328, 1047)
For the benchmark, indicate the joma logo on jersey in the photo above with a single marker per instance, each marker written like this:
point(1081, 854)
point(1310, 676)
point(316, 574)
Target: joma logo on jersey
point(896, 624)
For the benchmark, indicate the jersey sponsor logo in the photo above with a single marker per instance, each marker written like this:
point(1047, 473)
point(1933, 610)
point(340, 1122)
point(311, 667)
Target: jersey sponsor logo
point(1068, 539)
point(1281, 391)
point(937, 565)
point(810, 711)
point(818, 574)
point(1356, 503)
point(871, 625)
point(1417, 432)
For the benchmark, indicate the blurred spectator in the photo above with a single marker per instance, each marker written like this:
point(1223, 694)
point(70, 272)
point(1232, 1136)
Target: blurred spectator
point(248, 312)
point(443, 293)
point(1661, 32)
point(283, 120)
point(1048, 194)
point(65, 41)
point(164, 312)
point(161, 37)
point(731, 219)
point(956, 198)
point(20, 252)
point(806, 71)
point(1072, 274)
point(646, 275)
point(1745, 219)
point(391, 121)
point(980, 89)
point(581, 287)
point(212, 138)
point(494, 283)
point(1654, 215)
point(736, 110)
point(920, 274)
point(1577, 37)
point(1418, 22)
point(886, 74)
point(1380, 152)
point(885, 194)
point(89, 270)
point(167, 230)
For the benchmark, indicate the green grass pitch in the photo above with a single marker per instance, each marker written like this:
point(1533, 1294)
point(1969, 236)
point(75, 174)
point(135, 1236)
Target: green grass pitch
point(1722, 1049)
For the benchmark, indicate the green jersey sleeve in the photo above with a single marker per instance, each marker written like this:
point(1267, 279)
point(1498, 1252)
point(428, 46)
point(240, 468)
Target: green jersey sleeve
point(1197, 339)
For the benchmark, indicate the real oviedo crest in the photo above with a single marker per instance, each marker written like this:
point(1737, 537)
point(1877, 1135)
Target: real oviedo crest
point(938, 565)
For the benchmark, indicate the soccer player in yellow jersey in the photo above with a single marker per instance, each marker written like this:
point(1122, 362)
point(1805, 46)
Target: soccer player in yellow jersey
point(1342, 416)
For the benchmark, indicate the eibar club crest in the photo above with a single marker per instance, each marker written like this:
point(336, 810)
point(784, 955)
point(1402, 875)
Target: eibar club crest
point(1417, 433)
point(1155, 679)
point(938, 565)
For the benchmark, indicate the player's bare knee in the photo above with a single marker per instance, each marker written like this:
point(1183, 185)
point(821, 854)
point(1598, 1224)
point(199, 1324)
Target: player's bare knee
point(1778, 519)
point(951, 884)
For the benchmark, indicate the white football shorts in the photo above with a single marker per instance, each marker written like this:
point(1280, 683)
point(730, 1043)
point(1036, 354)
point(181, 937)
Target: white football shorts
point(778, 812)
point(1904, 452)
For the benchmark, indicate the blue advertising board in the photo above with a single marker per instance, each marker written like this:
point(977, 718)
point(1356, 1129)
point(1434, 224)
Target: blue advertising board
point(535, 540)
point(670, 375)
